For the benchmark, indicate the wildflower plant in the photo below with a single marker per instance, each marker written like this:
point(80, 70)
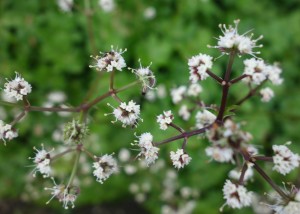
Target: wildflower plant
point(229, 143)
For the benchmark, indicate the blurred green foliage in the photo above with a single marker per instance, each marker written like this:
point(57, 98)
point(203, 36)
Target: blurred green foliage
point(51, 49)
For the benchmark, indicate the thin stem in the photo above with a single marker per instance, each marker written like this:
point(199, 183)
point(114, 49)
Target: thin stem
point(88, 14)
point(235, 80)
point(270, 181)
point(111, 82)
point(263, 158)
point(177, 127)
point(88, 153)
point(184, 143)
point(127, 86)
point(62, 154)
point(183, 135)
point(9, 104)
point(52, 109)
point(74, 170)
point(215, 77)
point(92, 88)
point(18, 118)
point(243, 172)
point(250, 94)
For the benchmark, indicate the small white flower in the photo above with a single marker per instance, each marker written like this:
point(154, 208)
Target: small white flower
point(145, 75)
point(274, 72)
point(284, 160)
point(66, 195)
point(184, 112)
point(231, 40)
point(266, 94)
point(128, 114)
point(177, 94)
point(150, 13)
point(107, 5)
point(17, 88)
point(236, 196)
point(105, 166)
point(148, 151)
point(256, 70)
point(42, 162)
point(65, 5)
point(124, 155)
point(110, 60)
point(204, 118)
point(220, 154)
point(56, 97)
point(180, 159)
point(7, 132)
point(198, 66)
point(194, 90)
point(165, 119)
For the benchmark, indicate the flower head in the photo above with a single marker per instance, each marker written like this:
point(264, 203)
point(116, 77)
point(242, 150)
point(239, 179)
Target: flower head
point(194, 90)
point(105, 166)
point(110, 60)
point(75, 132)
point(232, 40)
point(220, 154)
point(148, 151)
point(7, 132)
point(180, 159)
point(128, 114)
point(66, 195)
point(165, 119)
point(42, 162)
point(17, 88)
point(184, 112)
point(256, 71)
point(284, 160)
point(198, 66)
point(177, 94)
point(204, 118)
point(266, 94)
point(236, 196)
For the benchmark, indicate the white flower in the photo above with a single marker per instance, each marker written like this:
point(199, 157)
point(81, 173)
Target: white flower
point(198, 66)
point(128, 114)
point(66, 195)
point(105, 166)
point(177, 94)
point(220, 154)
point(292, 207)
point(284, 160)
point(7, 132)
point(150, 13)
point(236, 174)
point(180, 159)
point(56, 97)
point(42, 162)
point(236, 196)
point(184, 112)
point(231, 40)
point(148, 151)
point(17, 88)
point(124, 155)
point(110, 60)
point(145, 75)
point(256, 70)
point(107, 5)
point(194, 90)
point(266, 94)
point(204, 118)
point(165, 119)
point(65, 5)
point(274, 72)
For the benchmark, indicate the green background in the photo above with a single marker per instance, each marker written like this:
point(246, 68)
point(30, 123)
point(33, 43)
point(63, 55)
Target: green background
point(51, 49)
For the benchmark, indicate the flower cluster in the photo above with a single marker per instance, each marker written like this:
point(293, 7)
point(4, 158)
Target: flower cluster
point(180, 158)
point(148, 151)
point(105, 166)
point(75, 132)
point(284, 160)
point(17, 88)
point(7, 132)
point(198, 66)
point(204, 118)
point(110, 60)
point(165, 119)
point(42, 161)
point(128, 114)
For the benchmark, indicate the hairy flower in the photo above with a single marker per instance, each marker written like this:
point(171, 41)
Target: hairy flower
point(42, 162)
point(148, 151)
point(236, 196)
point(17, 88)
point(105, 166)
point(274, 72)
point(127, 114)
point(75, 132)
point(266, 94)
point(165, 119)
point(110, 60)
point(180, 159)
point(284, 160)
point(66, 195)
point(232, 40)
point(220, 154)
point(256, 70)
point(204, 118)
point(7, 132)
point(198, 66)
